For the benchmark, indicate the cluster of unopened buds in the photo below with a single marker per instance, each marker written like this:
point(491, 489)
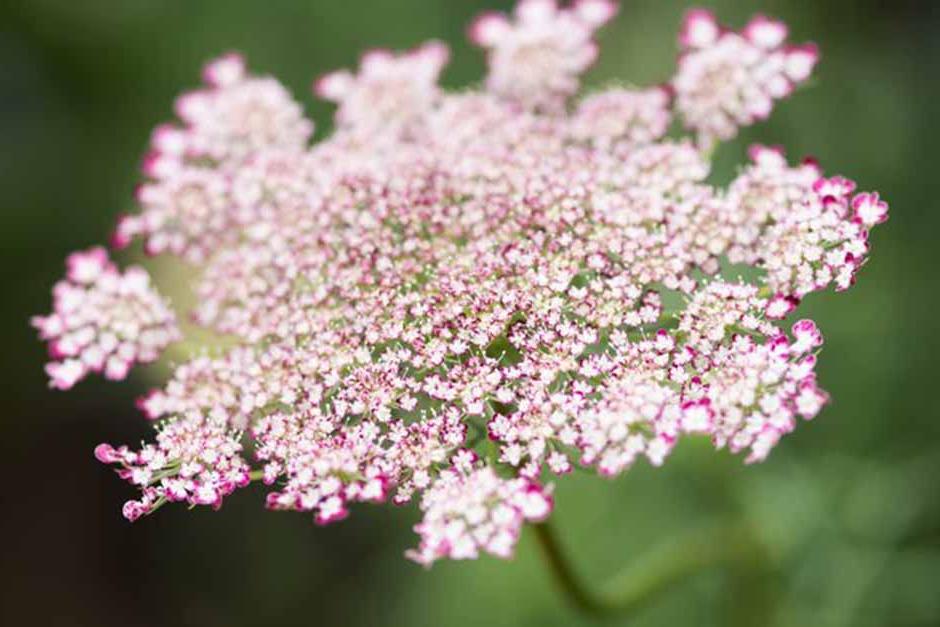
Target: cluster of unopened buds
point(456, 296)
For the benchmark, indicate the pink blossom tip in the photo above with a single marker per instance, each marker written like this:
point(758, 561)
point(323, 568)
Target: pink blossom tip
point(699, 29)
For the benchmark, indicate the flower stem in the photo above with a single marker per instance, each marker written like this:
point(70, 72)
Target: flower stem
point(563, 573)
point(712, 544)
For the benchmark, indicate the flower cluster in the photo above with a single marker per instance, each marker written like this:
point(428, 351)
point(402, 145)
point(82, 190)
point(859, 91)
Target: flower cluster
point(629, 118)
point(208, 174)
point(389, 90)
point(456, 296)
point(729, 79)
point(470, 509)
point(806, 231)
point(103, 320)
point(536, 59)
point(196, 459)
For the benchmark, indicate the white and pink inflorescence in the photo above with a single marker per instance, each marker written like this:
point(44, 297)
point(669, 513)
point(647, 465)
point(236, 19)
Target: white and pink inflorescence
point(457, 295)
point(103, 320)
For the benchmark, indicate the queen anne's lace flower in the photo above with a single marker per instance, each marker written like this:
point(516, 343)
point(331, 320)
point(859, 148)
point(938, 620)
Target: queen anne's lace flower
point(458, 295)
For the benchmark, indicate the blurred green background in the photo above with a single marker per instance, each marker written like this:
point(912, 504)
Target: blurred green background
point(849, 505)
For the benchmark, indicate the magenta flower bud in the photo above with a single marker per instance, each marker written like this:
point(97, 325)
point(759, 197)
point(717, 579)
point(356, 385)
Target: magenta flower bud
point(699, 29)
point(765, 32)
point(224, 71)
point(133, 510)
point(106, 454)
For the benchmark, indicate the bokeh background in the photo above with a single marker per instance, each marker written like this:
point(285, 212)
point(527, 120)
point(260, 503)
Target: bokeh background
point(848, 506)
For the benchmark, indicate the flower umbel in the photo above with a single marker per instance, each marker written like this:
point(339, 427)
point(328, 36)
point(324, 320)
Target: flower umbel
point(727, 79)
point(458, 295)
point(103, 320)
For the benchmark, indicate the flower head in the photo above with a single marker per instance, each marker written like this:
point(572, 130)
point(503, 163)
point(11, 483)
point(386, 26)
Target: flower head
point(456, 296)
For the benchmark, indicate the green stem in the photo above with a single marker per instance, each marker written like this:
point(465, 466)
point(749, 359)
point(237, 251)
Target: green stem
point(626, 592)
point(564, 575)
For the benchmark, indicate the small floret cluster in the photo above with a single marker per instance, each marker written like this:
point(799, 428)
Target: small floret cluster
point(103, 320)
point(729, 79)
point(458, 295)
